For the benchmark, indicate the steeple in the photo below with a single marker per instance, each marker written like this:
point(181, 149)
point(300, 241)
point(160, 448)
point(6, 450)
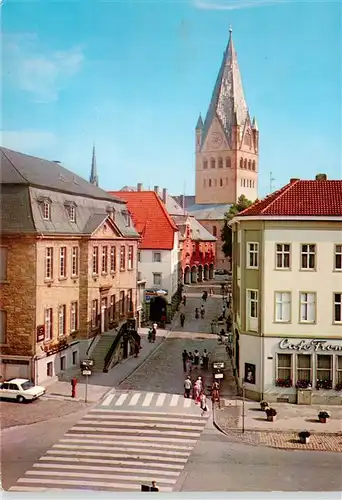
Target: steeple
point(93, 174)
point(228, 97)
point(199, 125)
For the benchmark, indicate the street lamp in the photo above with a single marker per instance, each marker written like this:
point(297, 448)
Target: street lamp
point(243, 408)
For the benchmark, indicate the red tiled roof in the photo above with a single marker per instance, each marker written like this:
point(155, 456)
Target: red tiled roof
point(301, 198)
point(150, 218)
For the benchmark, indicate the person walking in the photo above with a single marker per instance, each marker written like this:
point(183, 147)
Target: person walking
point(200, 384)
point(185, 358)
point(196, 392)
point(205, 358)
point(184, 300)
point(203, 401)
point(154, 486)
point(196, 358)
point(187, 387)
point(182, 319)
point(189, 362)
point(224, 311)
point(196, 313)
point(202, 311)
point(136, 349)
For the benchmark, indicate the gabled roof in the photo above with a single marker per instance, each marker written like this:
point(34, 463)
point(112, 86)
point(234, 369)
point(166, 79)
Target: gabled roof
point(301, 198)
point(198, 232)
point(150, 218)
point(214, 211)
point(19, 168)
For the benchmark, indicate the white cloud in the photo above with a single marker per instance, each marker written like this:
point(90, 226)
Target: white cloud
point(37, 70)
point(28, 141)
point(235, 4)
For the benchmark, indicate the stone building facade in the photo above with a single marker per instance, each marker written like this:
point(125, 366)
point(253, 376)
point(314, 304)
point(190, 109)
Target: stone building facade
point(68, 266)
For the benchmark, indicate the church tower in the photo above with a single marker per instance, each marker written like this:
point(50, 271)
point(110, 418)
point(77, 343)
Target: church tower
point(94, 178)
point(227, 143)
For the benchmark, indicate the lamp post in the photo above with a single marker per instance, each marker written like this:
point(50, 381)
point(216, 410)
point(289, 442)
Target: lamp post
point(243, 408)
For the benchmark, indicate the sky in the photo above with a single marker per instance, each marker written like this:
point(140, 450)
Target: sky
point(133, 76)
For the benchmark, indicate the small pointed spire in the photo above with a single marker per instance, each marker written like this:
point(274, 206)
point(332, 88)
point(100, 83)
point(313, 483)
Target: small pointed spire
point(255, 125)
point(199, 125)
point(93, 174)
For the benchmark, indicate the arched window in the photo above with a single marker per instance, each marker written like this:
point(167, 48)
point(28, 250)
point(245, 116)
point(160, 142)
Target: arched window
point(215, 182)
point(205, 163)
point(253, 167)
point(221, 182)
point(220, 163)
point(245, 164)
point(249, 164)
point(210, 183)
point(212, 163)
point(244, 183)
point(214, 231)
point(228, 163)
point(241, 163)
point(241, 182)
point(204, 183)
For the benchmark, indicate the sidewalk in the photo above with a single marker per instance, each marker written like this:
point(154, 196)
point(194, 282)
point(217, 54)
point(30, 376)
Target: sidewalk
point(100, 383)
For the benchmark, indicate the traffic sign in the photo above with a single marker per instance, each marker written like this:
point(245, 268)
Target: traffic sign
point(88, 362)
point(218, 375)
point(86, 372)
point(218, 364)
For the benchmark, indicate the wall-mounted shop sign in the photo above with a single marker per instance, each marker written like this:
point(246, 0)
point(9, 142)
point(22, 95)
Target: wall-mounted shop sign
point(307, 345)
point(154, 292)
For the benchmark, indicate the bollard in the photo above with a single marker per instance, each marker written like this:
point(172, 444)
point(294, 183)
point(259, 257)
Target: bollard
point(73, 387)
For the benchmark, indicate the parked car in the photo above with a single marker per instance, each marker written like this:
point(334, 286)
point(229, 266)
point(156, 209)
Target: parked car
point(221, 272)
point(20, 389)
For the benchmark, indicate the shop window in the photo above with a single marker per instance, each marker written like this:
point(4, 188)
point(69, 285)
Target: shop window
point(304, 369)
point(324, 368)
point(339, 370)
point(284, 368)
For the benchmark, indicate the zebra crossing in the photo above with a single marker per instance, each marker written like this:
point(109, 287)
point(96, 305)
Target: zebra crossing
point(172, 403)
point(117, 450)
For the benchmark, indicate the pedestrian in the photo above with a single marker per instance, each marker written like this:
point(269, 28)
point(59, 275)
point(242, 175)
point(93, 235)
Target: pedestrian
point(136, 349)
point(205, 358)
point(211, 291)
point(196, 392)
point(204, 296)
point(224, 311)
point(202, 311)
point(187, 387)
point(184, 300)
point(154, 486)
point(196, 313)
point(190, 361)
point(196, 358)
point(203, 400)
point(182, 319)
point(200, 384)
point(185, 358)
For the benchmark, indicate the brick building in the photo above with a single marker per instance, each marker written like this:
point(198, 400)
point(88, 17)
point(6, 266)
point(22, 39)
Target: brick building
point(68, 266)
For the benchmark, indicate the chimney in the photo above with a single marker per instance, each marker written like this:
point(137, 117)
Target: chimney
point(321, 177)
point(164, 195)
point(294, 180)
point(139, 186)
point(156, 190)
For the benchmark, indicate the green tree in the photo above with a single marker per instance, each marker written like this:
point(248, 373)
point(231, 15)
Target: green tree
point(226, 232)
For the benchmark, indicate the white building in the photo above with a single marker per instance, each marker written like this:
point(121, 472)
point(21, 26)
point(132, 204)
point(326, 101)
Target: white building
point(158, 254)
point(287, 294)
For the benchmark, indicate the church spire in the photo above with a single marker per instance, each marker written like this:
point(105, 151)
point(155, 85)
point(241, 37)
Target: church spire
point(228, 102)
point(93, 174)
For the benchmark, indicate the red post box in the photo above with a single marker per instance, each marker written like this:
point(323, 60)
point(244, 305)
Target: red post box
point(73, 387)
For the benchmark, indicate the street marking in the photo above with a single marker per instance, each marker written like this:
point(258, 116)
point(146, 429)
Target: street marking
point(194, 435)
point(96, 476)
point(142, 453)
point(106, 469)
point(108, 400)
point(121, 399)
point(148, 399)
point(152, 425)
point(157, 413)
point(135, 438)
point(161, 399)
point(114, 462)
point(98, 484)
point(187, 402)
point(134, 399)
point(130, 416)
point(174, 400)
point(124, 445)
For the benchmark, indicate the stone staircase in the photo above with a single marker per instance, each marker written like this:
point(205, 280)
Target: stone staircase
point(100, 351)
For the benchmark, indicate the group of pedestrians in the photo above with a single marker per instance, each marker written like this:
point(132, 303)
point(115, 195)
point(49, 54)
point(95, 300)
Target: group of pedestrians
point(195, 360)
point(197, 392)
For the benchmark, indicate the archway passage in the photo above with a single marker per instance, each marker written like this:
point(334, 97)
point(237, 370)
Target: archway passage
point(211, 271)
point(158, 307)
point(200, 274)
point(194, 274)
point(187, 276)
point(206, 272)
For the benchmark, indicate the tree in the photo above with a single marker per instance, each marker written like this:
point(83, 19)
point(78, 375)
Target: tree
point(226, 232)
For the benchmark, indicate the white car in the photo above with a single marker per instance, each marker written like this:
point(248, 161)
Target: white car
point(20, 389)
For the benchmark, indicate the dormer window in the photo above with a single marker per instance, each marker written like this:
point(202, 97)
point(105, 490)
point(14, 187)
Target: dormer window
point(71, 210)
point(127, 218)
point(46, 210)
point(111, 212)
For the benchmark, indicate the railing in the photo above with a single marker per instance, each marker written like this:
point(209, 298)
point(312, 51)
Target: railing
point(91, 343)
point(109, 355)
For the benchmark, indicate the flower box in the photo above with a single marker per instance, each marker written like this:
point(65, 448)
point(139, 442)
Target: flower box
point(271, 414)
point(303, 384)
point(304, 437)
point(323, 416)
point(324, 384)
point(338, 386)
point(283, 382)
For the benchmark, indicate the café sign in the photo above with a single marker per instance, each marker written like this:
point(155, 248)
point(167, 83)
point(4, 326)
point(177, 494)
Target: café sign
point(308, 345)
